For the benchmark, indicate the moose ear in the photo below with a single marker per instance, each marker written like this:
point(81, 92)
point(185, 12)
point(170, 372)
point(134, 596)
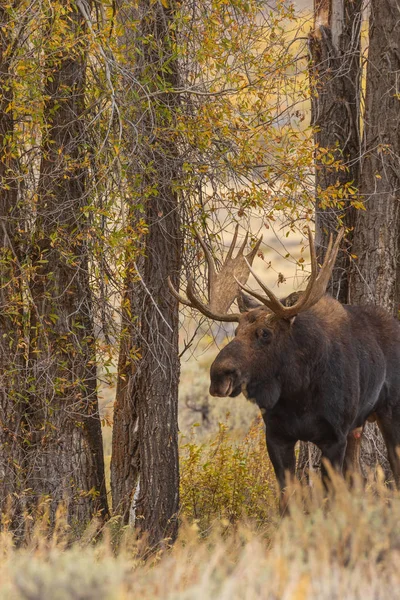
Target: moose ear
point(246, 303)
point(291, 299)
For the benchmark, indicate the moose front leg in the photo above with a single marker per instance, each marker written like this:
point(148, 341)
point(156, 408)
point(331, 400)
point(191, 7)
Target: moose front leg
point(281, 453)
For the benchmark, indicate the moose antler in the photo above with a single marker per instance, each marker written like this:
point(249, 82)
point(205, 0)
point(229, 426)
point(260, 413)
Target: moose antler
point(316, 286)
point(223, 284)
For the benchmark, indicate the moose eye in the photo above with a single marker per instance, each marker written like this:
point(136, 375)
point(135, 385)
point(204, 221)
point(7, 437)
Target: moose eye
point(264, 335)
point(229, 371)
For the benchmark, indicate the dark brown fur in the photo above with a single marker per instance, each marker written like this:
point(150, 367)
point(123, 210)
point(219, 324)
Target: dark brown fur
point(316, 377)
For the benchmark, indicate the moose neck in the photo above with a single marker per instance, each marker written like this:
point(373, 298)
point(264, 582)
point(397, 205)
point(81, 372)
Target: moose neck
point(307, 347)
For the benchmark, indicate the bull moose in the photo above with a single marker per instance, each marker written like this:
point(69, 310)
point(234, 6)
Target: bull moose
point(316, 368)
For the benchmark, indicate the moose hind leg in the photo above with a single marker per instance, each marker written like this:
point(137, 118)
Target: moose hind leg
point(352, 464)
point(390, 429)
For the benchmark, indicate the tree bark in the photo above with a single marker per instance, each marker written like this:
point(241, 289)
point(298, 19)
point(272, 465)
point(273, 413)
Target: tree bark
point(374, 278)
point(375, 274)
point(12, 338)
point(149, 386)
point(125, 441)
point(335, 115)
point(64, 412)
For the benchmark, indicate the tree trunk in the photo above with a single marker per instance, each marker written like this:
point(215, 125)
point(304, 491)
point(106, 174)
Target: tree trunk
point(335, 75)
point(12, 337)
point(125, 441)
point(148, 387)
point(335, 114)
point(64, 412)
point(375, 275)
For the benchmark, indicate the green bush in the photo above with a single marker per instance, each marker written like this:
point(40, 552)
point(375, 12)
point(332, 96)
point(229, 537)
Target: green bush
point(224, 479)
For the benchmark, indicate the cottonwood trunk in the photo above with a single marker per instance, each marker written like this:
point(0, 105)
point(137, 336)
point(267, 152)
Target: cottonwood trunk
point(376, 242)
point(64, 412)
point(335, 75)
point(12, 336)
point(148, 388)
point(375, 275)
point(335, 115)
point(125, 439)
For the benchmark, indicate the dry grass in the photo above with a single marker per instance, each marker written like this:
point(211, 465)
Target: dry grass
point(346, 547)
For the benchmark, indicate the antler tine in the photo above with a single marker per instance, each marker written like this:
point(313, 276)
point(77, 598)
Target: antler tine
point(316, 286)
point(233, 244)
point(313, 254)
point(273, 303)
point(329, 262)
point(250, 292)
point(243, 246)
point(196, 303)
point(269, 293)
point(210, 262)
point(253, 253)
point(177, 295)
point(318, 282)
point(209, 258)
point(304, 298)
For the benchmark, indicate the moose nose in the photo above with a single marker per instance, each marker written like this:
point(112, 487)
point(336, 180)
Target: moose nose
point(222, 384)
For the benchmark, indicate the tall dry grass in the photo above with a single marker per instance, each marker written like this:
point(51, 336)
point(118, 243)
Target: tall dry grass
point(346, 547)
point(232, 542)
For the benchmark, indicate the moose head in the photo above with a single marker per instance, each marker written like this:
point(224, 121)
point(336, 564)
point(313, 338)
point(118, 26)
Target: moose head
point(252, 361)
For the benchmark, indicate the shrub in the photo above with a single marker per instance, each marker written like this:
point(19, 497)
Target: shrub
point(227, 479)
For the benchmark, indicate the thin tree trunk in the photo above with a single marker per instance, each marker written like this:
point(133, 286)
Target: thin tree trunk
point(150, 387)
point(64, 412)
point(125, 441)
point(12, 359)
